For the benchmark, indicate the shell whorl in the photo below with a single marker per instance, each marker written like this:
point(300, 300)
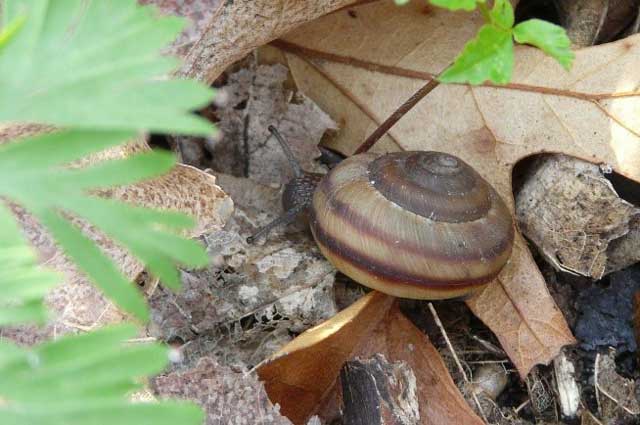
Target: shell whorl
point(412, 224)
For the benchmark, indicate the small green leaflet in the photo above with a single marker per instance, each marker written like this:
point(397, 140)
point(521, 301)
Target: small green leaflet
point(489, 56)
point(456, 4)
point(34, 173)
point(448, 4)
point(9, 30)
point(85, 379)
point(548, 37)
point(502, 14)
point(22, 282)
point(94, 64)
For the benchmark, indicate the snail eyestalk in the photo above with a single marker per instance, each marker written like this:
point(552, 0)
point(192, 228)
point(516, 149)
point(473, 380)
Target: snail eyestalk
point(286, 218)
point(297, 195)
point(293, 163)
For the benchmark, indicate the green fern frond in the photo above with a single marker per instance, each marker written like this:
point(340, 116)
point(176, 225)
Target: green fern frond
point(95, 64)
point(85, 380)
point(22, 282)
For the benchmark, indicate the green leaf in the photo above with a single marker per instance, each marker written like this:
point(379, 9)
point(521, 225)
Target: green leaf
point(456, 4)
point(94, 263)
point(95, 65)
point(489, 56)
point(502, 14)
point(550, 38)
point(34, 173)
point(85, 380)
point(10, 30)
point(23, 283)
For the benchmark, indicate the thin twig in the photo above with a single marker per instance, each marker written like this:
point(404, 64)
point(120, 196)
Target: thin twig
point(522, 405)
point(595, 383)
point(436, 318)
point(396, 115)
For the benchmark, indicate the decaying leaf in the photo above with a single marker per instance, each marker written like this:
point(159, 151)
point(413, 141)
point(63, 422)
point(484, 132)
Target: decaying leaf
point(616, 394)
point(227, 397)
point(588, 113)
point(253, 297)
point(256, 98)
point(302, 377)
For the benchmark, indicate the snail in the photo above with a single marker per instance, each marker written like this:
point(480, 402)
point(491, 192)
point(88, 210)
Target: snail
point(413, 224)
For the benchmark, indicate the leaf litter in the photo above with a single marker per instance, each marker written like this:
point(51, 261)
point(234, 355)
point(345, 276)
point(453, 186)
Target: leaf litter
point(192, 310)
point(526, 339)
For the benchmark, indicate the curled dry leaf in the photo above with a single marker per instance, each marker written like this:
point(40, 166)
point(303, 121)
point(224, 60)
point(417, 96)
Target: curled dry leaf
point(588, 113)
point(302, 376)
point(79, 305)
point(240, 26)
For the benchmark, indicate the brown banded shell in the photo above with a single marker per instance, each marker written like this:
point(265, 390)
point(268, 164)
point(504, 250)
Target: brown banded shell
point(419, 225)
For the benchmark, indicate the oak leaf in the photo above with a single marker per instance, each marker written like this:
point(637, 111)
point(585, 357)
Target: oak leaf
point(360, 65)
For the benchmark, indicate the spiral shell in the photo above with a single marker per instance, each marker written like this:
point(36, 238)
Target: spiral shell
point(419, 225)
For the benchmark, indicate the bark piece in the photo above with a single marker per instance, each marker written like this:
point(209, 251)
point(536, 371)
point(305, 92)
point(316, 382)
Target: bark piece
point(376, 392)
point(571, 212)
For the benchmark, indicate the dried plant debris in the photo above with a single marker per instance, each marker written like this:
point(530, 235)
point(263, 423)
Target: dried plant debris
point(541, 395)
point(567, 388)
point(604, 313)
point(199, 14)
point(253, 298)
point(228, 397)
point(615, 394)
point(256, 98)
point(571, 213)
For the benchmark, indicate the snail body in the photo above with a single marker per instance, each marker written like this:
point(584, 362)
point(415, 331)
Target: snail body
point(413, 224)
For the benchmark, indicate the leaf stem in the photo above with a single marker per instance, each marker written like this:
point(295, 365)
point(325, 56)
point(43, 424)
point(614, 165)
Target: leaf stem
point(396, 115)
point(485, 12)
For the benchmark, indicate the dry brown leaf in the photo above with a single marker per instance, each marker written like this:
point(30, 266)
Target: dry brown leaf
point(590, 113)
point(302, 376)
point(240, 26)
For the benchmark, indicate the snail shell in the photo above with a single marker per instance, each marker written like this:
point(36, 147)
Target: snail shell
point(419, 224)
